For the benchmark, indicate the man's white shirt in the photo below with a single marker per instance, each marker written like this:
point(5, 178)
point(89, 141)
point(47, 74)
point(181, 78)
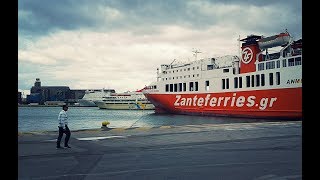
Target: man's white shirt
point(63, 118)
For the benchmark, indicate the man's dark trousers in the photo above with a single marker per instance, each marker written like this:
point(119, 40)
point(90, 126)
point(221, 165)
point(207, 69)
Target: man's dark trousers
point(66, 140)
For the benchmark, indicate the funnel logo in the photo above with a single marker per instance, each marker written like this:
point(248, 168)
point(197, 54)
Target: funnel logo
point(247, 55)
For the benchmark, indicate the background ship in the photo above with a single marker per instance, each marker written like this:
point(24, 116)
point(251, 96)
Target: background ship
point(92, 95)
point(131, 100)
point(258, 85)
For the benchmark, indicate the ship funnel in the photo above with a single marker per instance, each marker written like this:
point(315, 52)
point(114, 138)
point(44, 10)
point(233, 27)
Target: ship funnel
point(250, 49)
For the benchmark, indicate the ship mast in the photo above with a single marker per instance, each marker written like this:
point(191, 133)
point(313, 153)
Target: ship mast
point(240, 55)
point(195, 53)
point(170, 65)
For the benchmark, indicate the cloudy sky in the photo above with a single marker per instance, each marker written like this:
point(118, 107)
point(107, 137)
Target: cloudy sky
point(119, 44)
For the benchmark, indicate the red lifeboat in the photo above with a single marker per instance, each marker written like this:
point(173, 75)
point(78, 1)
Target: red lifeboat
point(273, 41)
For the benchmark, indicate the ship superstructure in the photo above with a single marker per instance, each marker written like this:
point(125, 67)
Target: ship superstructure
point(92, 95)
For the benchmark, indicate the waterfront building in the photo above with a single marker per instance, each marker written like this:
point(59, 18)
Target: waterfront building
point(44, 94)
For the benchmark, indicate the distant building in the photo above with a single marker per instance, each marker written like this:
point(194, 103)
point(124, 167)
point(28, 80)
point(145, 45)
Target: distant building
point(41, 94)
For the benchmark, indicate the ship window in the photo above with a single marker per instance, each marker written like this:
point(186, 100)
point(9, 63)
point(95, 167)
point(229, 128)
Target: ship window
point(297, 61)
point(257, 80)
point(192, 75)
point(260, 66)
point(236, 82)
point(291, 62)
point(172, 77)
point(262, 80)
point(225, 70)
point(184, 69)
point(190, 86)
point(197, 67)
point(240, 82)
point(227, 83)
point(209, 67)
point(252, 80)
point(188, 69)
point(154, 87)
point(167, 87)
point(173, 71)
point(166, 78)
point(180, 87)
point(175, 87)
point(284, 63)
point(193, 68)
point(223, 83)
point(188, 75)
point(171, 87)
point(248, 81)
point(270, 65)
point(278, 78)
point(207, 85)
point(278, 64)
point(271, 79)
point(196, 86)
point(267, 65)
point(197, 75)
point(184, 86)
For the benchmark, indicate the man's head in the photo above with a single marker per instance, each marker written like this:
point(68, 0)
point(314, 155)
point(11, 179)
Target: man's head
point(65, 107)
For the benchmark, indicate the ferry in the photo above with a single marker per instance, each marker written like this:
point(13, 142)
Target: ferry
point(92, 95)
point(263, 81)
point(130, 100)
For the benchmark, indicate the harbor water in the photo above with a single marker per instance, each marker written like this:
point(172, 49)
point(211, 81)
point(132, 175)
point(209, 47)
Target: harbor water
point(80, 118)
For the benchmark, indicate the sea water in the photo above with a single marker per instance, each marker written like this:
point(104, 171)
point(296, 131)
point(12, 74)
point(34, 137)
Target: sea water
point(46, 118)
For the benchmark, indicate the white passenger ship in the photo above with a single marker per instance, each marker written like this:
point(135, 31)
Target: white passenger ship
point(131, 100)
point(92, 95)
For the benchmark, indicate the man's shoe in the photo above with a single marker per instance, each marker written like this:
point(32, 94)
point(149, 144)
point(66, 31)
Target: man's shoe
point(59, 147)
point(67, 147)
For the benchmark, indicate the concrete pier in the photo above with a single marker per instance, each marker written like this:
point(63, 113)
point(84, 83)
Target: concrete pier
point(257, 151)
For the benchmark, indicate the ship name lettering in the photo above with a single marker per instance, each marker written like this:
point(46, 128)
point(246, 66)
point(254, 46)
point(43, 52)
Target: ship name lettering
point(240, 101)
point(294, 81)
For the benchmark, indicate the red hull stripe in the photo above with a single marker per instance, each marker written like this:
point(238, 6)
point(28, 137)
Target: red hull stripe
point(275, 103)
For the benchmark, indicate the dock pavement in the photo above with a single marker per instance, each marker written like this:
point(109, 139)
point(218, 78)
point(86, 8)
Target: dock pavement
point(257, 151)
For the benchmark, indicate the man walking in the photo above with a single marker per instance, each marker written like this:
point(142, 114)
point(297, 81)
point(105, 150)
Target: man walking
point(63, 127)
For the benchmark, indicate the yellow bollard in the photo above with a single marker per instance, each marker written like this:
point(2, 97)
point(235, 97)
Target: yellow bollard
point(105, 123)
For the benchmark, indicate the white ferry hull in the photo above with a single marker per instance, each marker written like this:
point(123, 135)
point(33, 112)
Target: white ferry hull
point(86, 103)
point(125, 106)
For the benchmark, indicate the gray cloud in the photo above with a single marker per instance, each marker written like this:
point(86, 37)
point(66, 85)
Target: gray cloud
point(81, 42)
point(40, 17)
